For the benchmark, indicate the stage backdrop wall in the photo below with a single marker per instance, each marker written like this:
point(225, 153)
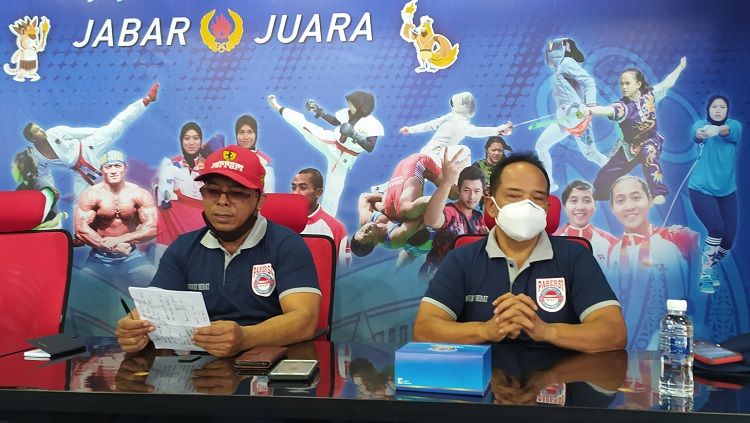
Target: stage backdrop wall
point(215, 62)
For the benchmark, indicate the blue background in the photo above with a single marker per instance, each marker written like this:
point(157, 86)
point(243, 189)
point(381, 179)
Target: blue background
point(500, 61)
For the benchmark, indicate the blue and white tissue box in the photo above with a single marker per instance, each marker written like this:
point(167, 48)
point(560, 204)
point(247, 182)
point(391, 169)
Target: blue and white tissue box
point(443, 368)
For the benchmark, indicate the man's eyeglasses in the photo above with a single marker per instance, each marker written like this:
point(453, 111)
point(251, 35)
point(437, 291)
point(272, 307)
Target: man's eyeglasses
point(233, 195)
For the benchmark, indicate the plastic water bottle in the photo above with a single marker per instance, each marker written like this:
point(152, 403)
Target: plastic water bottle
point(673, 403)
point(676, 350)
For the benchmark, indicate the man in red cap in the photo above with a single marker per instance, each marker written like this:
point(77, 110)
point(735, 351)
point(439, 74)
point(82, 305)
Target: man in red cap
point(257, 278)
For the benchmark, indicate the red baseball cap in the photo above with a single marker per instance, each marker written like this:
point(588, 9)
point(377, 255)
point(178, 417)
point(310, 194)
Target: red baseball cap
point(236, 163)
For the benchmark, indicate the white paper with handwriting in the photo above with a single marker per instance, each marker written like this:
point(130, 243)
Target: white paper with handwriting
point(175, 314)
point(175, 375)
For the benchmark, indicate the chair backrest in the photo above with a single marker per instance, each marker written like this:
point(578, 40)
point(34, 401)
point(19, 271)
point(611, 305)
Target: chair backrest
point(553, 215)
point(22, 210)
point(35, 271)
point(468, 239)
point(324, 255)
point(577, 239)
point(326, 366)
point(26, 374)
point(471, 238)
point(286, 209)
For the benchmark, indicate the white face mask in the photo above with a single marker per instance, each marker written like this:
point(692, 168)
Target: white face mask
point(521, 220)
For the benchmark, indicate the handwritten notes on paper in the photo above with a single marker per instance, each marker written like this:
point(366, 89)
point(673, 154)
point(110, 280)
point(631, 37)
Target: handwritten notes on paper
point(175, 375)
point(175, 314)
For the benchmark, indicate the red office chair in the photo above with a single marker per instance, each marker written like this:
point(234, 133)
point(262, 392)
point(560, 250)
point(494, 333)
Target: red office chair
point(471, 238)
point(15, 372)
point(324, 256)
point(468, 239)
point(35, 271)
point(327, 367)
point(577, 239)
point(23, 210)
point(288, 210)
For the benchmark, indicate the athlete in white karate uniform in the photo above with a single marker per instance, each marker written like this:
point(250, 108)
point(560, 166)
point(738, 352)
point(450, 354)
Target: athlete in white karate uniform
point(79, 149)
point(355, 130)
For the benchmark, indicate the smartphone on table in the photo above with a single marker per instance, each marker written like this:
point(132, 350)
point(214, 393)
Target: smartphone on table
point(714, 354)
point(294, 370)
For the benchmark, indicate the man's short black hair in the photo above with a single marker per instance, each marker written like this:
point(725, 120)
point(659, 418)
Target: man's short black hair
point(521, 156)
point(27, 131)
point(316, 178)
point(578, 184)
point(359, 248)
point(470, 173)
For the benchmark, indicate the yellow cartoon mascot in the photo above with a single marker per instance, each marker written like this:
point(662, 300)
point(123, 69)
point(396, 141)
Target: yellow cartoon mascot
point(434, 51)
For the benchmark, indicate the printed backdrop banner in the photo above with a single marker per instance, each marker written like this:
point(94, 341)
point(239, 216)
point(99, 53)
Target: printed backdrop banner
point(100, 91)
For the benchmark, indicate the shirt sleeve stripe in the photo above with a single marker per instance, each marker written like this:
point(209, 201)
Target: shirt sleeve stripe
point(297, 290)
point(597, 306)
point(441, 306)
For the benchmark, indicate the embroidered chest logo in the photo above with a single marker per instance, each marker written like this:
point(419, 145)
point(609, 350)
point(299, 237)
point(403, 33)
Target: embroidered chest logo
point(263, 280)
point(550, 294)
point(553, 394)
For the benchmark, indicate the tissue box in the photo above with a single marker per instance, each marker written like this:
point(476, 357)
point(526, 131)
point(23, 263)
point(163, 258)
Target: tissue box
point(443, 368)
point(404, 395)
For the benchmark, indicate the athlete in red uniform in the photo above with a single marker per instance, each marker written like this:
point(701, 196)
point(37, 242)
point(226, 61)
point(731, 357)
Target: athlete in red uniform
point(309, 183)
point(403, 198)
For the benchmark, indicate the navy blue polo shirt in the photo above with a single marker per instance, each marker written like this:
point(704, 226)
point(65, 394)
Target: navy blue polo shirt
point(244, 287)
point(522, 361)
point(562, 277)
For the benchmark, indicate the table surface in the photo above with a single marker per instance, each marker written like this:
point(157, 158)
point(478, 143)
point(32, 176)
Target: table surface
point(355, 382)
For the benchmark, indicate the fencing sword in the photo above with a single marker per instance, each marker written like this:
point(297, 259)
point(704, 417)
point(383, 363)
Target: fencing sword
point(579, 115)
point(526, 122)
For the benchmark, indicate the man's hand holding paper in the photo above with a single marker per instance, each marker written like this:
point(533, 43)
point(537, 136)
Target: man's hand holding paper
point(132, 333)
point(222, 338)
point(169, 319)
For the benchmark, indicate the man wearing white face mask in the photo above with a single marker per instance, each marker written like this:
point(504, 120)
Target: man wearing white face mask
point(520, 283)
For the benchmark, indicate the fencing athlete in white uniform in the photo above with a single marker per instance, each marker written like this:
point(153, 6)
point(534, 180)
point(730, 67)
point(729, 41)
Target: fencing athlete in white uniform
point(451, 128)
point(572, 88)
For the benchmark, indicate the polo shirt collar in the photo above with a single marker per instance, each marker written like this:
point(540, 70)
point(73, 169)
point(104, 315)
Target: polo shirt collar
point(542, 250)
point(256, 235)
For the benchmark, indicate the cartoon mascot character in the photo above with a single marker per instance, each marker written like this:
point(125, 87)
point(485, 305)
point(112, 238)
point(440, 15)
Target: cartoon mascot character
point(434, 51)
point(30, 41)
